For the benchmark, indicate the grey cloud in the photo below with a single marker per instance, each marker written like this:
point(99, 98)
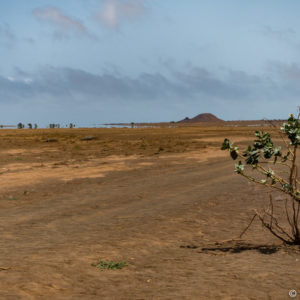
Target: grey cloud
point(7, 37)
point(284, 35)
point(104, 86)
point(285, 71)
point(66, 92)
point(199, 81)
point(29, 40)
point(243, 78)
point(146, 86)
point(287, 75)
point(6, 32)
point(196, 83)
point(14, 91)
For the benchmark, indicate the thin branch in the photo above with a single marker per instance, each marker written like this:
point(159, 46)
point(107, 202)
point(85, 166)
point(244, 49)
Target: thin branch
point(267, 185)
point(264, 171)
point(296, 175)
point(294, 219)
point(297, 216)
point(272, 209)
point(276, 224)
point(271, 230)
point(248, 226)
point(293, 165)
point(288, 217)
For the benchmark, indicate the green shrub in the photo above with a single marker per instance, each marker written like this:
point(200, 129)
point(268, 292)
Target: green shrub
point(109, 265)
point(269, 163)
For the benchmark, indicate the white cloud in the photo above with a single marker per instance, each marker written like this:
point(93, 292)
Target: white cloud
point(10, 78)
point(54, 16)
point(26, 80)
point(114, 12)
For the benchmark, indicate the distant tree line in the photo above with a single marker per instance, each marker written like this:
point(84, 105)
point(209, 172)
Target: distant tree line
point(52, 125)
point(35, 126)
point(29, 125)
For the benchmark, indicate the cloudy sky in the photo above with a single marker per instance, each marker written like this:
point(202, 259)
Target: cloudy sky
point(97, 61)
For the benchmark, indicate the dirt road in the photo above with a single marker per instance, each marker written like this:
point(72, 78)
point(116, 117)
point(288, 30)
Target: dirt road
point(154, 212)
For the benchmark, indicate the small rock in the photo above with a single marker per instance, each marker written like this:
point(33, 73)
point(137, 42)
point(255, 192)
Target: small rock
point(51, 140)
point(88, 138)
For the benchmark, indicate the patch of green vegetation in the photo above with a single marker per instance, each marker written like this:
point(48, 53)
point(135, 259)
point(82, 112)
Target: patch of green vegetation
point(109, 265)
point(259, 162)
point(12, 198)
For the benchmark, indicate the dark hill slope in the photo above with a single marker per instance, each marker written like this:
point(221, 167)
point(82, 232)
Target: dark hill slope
point(206, 117)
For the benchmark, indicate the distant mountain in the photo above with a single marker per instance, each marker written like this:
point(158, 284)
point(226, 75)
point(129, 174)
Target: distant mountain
point(207, 117)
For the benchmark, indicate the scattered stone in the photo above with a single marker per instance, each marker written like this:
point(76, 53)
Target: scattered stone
point(88, 138)
point(51, 140)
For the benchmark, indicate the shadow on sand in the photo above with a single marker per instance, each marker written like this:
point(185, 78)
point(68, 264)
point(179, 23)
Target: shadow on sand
point(236, 247)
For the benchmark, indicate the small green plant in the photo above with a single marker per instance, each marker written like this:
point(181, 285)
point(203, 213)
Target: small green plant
point(276, 169)
point(109, 265)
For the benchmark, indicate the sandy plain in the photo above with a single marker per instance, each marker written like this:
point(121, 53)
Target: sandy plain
point(165, 200)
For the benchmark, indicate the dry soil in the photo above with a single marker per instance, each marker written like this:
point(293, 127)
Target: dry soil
point(164, 200)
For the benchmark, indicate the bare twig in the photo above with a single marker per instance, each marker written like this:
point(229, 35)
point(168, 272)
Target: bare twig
point(277, 226)
point(271, 229)
point(248, 226)
point(288, 217)
point(272, 210)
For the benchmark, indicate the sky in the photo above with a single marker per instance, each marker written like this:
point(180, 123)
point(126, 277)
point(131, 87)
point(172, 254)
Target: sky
point(102, 61)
